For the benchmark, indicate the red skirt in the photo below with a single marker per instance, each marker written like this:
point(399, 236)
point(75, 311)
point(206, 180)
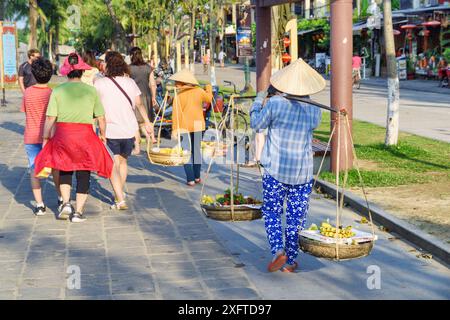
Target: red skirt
point(75, 147)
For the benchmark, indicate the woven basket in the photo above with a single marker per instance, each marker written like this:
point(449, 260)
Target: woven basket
point(224, 213)
point(328, 251)
point(170, 160)
point(217, 150)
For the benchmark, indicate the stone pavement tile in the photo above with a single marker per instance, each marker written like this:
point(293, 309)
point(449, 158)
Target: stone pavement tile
point(186, 295)
point(48, 281)
point(206, 255)
point(172, 248)
point(163, 242)
point(216, 263)
point(88, 290)
point(119, 222)
point(77, 245)
point(44, 273)
point(120, 252)
point(227, 283)
point(122, 229)
point(132, 283)
point(142, 296)
point(177, 275)
point(7, 294)
point(9, 283)
point(46, 263)
point(122, 236)
point(46, 243)
point(189, 285)
point(49, 254)
point(86, 253)
point(222, 273)
point(174, 257)
point(242, 293)
point(39, 293)
point(125, 243)
point(160, 266)
point(205, 245)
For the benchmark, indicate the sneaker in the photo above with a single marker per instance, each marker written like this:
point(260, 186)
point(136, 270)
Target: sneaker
point(77, 217)
point(119, 206)
point(65, 211)
point(60, 203)
point(39, 211)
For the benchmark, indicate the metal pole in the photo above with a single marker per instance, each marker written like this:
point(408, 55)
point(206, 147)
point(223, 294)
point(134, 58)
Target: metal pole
point(2, 74)
point(263, 47)
point(341, 76)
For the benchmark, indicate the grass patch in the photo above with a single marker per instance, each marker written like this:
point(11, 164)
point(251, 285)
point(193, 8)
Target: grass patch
point(414, 160)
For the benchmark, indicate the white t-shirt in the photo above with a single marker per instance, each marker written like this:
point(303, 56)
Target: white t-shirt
point(121, 120)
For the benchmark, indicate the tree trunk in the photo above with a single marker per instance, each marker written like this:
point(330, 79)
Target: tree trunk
point(393, 83)
point(192, 40)
point(33, 17)
point(119, 41)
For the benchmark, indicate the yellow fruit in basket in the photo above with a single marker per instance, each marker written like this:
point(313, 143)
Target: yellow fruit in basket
point(326, 225)
point(208, 200)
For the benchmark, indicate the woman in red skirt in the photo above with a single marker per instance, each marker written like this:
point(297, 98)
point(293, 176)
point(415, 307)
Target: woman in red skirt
point(74, 146)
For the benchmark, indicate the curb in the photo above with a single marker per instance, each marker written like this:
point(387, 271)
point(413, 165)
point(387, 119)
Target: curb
point(409, 232)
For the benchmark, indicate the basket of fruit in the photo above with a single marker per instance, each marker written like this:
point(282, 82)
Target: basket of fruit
point(168, 156)
point(341, 243)
point(245, 208)
point(213, 148)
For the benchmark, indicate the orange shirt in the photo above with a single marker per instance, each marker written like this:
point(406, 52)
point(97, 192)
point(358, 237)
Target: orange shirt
point(34, 104)
point(188, 108)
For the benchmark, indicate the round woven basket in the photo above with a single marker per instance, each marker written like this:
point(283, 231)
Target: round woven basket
point(168, 159)
point(328, 251)
point(224, 213)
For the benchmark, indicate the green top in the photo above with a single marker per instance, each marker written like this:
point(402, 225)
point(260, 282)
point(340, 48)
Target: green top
point(75, 102)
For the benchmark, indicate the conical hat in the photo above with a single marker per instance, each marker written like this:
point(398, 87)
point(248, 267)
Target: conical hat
point(298, 79)
point(185, 76)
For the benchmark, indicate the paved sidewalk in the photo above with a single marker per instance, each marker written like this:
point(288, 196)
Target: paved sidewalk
point(164, 247)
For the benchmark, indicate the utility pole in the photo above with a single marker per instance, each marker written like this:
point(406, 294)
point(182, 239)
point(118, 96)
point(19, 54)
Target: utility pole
point(341, 81)
point(263, 47)
point(393, 103)
point(212, 42)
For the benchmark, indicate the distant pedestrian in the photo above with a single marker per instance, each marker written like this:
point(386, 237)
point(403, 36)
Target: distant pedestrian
point(34, 105)
point(89, 76)
point(74, 147)
point(206, 61)
point(120, 95)
point(222, 56)
point(287, 157)
point(26, 78)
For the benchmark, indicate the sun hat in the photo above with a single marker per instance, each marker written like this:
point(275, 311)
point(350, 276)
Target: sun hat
point(298, 79)
point(66, 68)
point(184, 76)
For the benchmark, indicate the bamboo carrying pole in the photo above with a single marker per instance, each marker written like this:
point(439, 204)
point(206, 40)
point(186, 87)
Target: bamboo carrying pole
point(2, 74)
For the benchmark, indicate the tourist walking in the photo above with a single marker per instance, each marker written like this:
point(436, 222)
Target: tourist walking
point(89, 76)
point(26, 78)
point(120, 96)
point(287, 156)
point(34, 105)
point(188, 119)
point(74, 148)
point(142, 74)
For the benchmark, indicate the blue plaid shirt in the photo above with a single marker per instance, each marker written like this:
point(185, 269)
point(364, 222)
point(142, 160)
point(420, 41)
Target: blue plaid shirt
point(287, 155)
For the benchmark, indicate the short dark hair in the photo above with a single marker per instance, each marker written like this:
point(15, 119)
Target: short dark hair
point(75, 74)
point(32, 52)
point(136, 56)
point(116, 65)
point(42, 70)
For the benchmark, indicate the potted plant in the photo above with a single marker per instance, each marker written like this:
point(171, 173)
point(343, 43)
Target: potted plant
point(410, 68)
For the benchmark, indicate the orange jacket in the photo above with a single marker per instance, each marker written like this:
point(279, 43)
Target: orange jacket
point(188, 108)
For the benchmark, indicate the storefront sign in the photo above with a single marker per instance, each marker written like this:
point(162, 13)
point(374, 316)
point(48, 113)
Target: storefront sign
point(244, 32)
point(9, 53)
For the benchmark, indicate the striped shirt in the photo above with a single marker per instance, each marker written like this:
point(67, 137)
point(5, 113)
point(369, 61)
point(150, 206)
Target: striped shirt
point(287, 155)
point(34, 104)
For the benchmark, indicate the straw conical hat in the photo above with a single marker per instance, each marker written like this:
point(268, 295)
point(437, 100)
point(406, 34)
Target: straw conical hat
point(298, 79)
point(185, 76)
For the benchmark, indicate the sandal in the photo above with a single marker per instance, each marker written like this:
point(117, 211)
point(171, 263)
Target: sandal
point(290, 268)
point(198, 180)
point(276, 264)
point(191, 183)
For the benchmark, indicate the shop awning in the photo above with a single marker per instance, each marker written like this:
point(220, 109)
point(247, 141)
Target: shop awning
point(302, 32)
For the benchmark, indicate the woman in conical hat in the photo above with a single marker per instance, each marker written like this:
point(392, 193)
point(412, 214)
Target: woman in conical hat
point(287, 156)
point(188, 119)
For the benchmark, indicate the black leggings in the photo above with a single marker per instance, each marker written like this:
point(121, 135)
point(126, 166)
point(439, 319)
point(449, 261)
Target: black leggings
point(83, 180)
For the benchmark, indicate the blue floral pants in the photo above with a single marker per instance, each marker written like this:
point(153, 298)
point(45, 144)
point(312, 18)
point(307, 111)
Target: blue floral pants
point(297, 197)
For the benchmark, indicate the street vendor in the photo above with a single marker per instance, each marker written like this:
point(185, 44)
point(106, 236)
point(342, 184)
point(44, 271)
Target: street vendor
point(188, 120)
point(287, 156)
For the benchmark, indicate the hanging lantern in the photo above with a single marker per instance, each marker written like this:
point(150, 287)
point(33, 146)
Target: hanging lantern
point(286, 57)
point(432, 23)
point(396, 32)
point(286, 42)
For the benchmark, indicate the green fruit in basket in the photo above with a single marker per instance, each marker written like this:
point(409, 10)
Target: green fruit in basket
point(313, 227)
